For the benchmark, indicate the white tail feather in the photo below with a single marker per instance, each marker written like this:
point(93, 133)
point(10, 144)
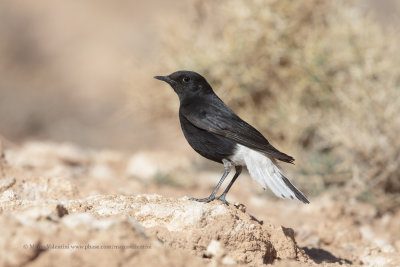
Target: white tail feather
point(267, 173)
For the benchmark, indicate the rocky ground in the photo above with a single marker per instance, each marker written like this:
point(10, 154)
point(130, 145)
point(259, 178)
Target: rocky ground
point(61, 204)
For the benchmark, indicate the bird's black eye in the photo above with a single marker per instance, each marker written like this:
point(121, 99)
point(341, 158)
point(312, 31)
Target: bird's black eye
point(186, 79)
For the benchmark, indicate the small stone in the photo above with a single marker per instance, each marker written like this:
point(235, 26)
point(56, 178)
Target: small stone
point(141, 166)
point(228, 261)
point(388, 248)
point(240, 207)
point(61, 210)
point(101, 172)
point(214, 250)
point(8, 195)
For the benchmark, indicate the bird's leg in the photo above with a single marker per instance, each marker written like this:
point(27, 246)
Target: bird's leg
point(228, 167)
point(222, 196)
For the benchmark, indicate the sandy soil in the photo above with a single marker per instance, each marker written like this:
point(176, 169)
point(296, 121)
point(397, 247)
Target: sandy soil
point(65, 204)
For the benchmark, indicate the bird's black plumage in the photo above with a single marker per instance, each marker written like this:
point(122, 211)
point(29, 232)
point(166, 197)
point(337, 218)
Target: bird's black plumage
point(211, 127)
point(211, 114)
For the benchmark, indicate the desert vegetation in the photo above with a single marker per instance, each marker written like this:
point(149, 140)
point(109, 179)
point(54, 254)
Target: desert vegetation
point(319, 78)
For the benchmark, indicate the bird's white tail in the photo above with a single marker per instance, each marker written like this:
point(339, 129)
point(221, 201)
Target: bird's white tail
point(267, 173)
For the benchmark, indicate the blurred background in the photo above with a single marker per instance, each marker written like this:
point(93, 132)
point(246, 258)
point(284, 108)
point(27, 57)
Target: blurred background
point(319, 78)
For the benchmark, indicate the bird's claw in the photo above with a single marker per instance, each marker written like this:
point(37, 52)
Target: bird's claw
point(222, 199)
point(206, 199)
point(211, 198)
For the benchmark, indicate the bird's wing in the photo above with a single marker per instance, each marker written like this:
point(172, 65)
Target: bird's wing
point(219, 119)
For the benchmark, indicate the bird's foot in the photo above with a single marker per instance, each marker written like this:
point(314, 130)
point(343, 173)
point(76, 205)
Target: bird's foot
point(206, 199)
point(222, 199)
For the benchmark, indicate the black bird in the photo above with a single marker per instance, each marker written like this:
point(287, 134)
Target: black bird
point(217, 133)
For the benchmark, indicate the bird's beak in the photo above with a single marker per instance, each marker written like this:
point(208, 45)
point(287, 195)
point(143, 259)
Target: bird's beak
point(165, 79)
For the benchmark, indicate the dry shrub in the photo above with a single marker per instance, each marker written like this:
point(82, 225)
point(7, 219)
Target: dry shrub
point(320, 78)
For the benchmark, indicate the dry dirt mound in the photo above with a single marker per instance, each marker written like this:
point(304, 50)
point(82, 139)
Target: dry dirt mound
point(51, 231)
point(49, 221)
point(63, 204)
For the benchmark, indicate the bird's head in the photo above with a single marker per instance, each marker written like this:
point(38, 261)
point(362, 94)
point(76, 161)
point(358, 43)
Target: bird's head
point(187, 83)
